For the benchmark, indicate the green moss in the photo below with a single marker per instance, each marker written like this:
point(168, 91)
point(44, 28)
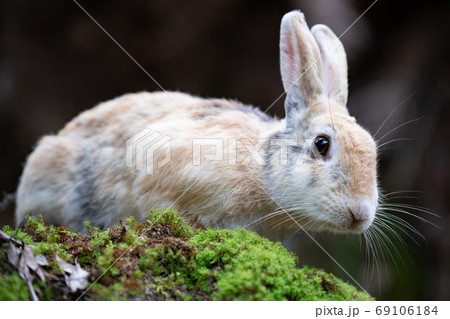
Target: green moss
point(105, 262)
point(169, 217)
point(45, 292)
point(18, 234)
point(240, 265)
point(99, 238)
point(137, 274)
point(53, 235)
point(255, 268)
point(165, 259)
point(44, 248)
point(111, 293)
point(13, 288)
point(36, 228)
point(150, 260)
point(325, 286)
point(88, 226)
point(132, 236)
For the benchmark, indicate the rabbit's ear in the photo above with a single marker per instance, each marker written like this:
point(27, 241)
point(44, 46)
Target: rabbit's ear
point(334, 63)
point(300, 64)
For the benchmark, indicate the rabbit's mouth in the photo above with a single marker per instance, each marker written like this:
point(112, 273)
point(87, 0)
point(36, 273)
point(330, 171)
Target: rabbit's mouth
point(354, 227)
point(351, 223)
point(358, 226)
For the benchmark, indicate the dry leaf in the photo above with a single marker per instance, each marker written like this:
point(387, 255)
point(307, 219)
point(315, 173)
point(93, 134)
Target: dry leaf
point(41, 260)
point(76, 277)
point(4, 236)
point(22, 258)
point(31, 263)
point(13, 255)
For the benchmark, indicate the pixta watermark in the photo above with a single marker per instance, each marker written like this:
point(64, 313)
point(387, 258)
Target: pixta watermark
point(150, 150)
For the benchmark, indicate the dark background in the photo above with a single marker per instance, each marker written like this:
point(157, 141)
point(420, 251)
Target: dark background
point(55, 62)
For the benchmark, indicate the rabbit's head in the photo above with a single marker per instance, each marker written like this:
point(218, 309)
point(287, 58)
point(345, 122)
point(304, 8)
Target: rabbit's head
point(328, 179)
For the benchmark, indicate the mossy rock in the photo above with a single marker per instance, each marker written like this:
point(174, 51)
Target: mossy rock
point(165, 259)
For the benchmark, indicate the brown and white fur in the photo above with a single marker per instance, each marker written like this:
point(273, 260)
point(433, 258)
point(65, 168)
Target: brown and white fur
point(81, 174)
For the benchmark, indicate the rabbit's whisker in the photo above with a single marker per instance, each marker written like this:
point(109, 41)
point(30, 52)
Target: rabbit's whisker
point(385, 223)
point(393, 111)
point(394, 140)
point(265, 218)
point(389, 246)
point(400, 224)
point(372, 253)
point(403, 211)
point(399, 126)
point(402, 192)
point(384, 239)
point(412, 207)
point(403, 197)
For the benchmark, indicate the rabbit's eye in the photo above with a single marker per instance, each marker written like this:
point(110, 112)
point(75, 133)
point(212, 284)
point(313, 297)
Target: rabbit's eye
point(322, 144)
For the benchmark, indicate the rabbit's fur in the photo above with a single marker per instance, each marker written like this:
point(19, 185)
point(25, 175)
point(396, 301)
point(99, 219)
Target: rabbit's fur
point(80, 173)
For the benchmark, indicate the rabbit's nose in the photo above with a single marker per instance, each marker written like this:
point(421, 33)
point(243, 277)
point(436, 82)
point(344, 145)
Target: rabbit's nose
point(356, 218)
point(360, 213)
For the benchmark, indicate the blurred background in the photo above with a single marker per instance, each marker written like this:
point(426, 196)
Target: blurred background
point(55, 62)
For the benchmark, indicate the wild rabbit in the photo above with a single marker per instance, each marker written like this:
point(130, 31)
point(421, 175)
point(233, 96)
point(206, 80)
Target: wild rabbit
point(222, 163)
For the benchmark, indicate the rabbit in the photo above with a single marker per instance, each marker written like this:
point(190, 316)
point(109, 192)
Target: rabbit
point(223, 164)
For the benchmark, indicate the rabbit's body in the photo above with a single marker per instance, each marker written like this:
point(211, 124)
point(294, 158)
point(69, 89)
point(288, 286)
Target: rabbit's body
point(80, 174)
point(316, 167)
